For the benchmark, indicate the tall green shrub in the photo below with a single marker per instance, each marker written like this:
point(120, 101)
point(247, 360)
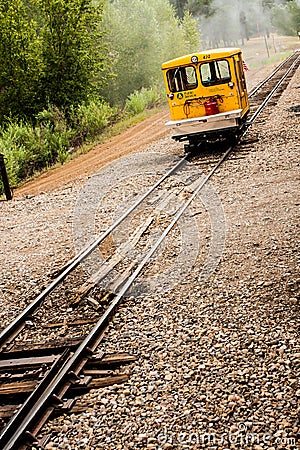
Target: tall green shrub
point(286, 17)
point(138, 101)
point(141, 34)
point(19, 61)
point(72, 50)
point(89, 118)
point(29, 149)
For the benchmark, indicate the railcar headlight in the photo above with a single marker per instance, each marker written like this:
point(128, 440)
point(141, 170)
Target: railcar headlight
point(171, 96)
point(231, 84)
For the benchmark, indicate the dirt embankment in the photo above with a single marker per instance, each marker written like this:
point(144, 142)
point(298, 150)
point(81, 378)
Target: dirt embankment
point(130, 141)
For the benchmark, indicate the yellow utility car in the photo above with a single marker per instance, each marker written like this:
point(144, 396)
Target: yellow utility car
point(207, 95)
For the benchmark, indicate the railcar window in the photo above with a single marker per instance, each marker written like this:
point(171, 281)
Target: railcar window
point(215, 72)
point(182, 79)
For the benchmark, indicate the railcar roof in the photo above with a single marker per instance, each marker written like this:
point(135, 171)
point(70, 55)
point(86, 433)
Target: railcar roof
point(208, 54)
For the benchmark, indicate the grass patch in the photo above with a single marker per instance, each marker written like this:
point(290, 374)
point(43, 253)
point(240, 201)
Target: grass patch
point(273, 59)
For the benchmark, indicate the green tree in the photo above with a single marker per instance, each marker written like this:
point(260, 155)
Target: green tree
point(201, 7)
point(72, 50)
point(191, 32)
point(294, 7)
point(180, 6)
point(195, 7)
point(286, 17)
point(142, 34)
point(19, 60)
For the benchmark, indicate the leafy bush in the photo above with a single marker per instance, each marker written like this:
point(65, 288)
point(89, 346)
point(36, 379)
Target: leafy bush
point(56, 136)
point(89, 118)
point(141, 100)
point(28, 149)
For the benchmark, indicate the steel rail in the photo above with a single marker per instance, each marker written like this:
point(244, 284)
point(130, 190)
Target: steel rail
point(74, 262)
point(103, 321)
point(26, 407)
point(262, 83)
point(271, 93)
point(74, 360)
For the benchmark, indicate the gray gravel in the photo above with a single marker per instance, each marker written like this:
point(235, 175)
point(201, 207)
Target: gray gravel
point(218, 360)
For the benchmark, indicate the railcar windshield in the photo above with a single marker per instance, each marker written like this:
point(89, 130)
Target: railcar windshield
point(215, 72)
point(182, 78)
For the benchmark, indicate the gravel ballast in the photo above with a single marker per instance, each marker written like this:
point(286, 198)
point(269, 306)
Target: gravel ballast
point(217, 359)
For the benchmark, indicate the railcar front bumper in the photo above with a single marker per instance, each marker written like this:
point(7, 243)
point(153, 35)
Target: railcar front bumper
point(201, 125)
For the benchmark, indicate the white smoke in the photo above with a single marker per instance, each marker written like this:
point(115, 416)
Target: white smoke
point(234, 22)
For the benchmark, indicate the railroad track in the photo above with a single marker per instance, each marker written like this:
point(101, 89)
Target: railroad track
point(53, 372)
point(272, 87)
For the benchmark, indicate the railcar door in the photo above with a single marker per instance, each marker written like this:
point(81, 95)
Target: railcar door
point(216, 80)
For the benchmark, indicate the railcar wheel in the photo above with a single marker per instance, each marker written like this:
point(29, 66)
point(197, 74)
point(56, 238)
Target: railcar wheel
point(195, 146)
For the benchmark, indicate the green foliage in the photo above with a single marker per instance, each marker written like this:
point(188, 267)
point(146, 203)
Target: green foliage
point(29, 149)
point(138, 101)
point(51, 51)
point(286, 18)
point(56, 135)
point(72, 53)
point(90, 118)
point(141, 35)
point(189, 27)
point(19, 60)
point(294, 8)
